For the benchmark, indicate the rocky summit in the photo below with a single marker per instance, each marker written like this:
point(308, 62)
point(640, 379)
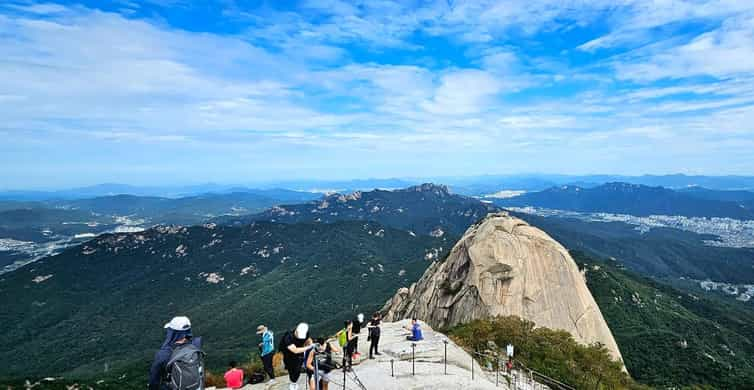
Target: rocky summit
point(413, 366)
point(503, 266)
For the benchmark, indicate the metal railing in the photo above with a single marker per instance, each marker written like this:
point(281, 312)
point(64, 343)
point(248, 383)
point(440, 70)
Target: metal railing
point(518, 377)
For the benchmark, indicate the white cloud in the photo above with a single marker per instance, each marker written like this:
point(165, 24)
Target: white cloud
point(464, 92)
point(724, 52)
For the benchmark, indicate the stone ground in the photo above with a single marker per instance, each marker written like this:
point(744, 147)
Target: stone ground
point(376, 374)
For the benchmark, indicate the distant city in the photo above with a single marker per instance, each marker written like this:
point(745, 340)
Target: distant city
point(733, 233)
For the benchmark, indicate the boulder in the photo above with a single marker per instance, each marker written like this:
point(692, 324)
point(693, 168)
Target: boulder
point(503, 266)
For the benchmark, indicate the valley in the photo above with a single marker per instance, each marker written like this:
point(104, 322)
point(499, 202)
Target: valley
point(350, 252)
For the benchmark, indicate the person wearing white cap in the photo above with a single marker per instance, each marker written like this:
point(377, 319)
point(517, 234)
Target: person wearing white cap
point(178, 333)
point(267, 350)
point(293, 343)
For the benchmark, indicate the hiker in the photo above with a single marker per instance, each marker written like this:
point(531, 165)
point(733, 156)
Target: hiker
point(345, 336)
point(374, 334)
point(322, 357)
point(293, 347)
point(234, 376)
point(416, 331)
point(267, 351)
point(358, 323)
point(179, 359)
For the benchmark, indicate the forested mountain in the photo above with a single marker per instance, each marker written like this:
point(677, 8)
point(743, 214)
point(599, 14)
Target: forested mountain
point(423, 209)
point(623, 198)
point(100, 306)
point(729, 196)
point(671, 338)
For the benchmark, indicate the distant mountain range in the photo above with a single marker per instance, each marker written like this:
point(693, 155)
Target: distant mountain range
point(112, 189)
point(31, 228)
point(422, 209)
point(634, 199)
point(465, 185)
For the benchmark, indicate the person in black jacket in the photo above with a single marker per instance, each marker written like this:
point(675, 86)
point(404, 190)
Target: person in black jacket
point(178, 333)
point(374, 334)
point(293, 347)
point(358, 323)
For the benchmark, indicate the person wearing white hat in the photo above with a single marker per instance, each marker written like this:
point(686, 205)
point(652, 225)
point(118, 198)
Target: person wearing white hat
point(293, 343)
point(178, 333)
point(267, 350)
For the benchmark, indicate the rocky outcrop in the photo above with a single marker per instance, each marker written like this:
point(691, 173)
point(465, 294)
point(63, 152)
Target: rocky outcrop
point(428, 369)
point(503, 266)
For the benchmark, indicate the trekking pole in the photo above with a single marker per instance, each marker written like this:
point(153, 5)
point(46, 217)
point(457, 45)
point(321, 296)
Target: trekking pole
point(344, 369)
point(446, 356)
point(392, 371)
point(316, 372)
point(413, 358)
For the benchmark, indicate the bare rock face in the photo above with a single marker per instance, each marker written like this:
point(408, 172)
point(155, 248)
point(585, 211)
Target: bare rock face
point(503, 266)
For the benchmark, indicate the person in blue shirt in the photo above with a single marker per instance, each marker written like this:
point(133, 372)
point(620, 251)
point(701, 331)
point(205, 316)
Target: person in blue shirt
point(416, 331)
point(267, 350)
point(178, 333)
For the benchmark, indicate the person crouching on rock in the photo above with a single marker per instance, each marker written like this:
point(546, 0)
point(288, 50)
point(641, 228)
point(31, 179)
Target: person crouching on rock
point(293, 347)
point(234, 376)
point(179, 350)
point(320, 359)
point(416, 331)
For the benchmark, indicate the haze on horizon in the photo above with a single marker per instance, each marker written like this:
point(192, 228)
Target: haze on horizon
point(173, 92)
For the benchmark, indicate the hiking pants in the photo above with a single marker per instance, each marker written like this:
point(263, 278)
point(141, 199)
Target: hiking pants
point(267, 362)
point(294, 369)
point(375, 340)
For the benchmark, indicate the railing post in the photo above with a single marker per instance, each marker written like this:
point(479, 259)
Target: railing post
point(446, 356)
point(472, 367)
point(497, 370)
point(392, 370)
point(413, 358)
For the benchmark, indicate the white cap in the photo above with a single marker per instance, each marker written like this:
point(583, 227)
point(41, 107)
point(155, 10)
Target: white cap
point(301, 330)
point(360, 317)
point(179, 323)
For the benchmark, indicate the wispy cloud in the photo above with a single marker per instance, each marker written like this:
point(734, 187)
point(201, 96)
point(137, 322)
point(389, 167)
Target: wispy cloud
point(330, 80)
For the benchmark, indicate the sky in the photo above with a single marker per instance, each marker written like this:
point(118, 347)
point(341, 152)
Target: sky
point(176, 92)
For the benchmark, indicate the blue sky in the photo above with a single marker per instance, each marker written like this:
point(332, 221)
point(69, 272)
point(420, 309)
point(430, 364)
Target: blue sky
point(172, 91)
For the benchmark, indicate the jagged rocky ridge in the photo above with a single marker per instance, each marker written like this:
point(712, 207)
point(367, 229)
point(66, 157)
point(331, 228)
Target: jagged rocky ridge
point(503, 266)
point(428, 209)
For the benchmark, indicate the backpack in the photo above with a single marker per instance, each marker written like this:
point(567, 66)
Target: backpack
point(256, 378)
point(343, 338)
point(282, 347)
point(186, 368)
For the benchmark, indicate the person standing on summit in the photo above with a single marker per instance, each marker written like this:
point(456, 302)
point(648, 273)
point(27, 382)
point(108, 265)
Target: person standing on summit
point(179, 359)
point(374, 334)
point(293, 347)
point(267, 350)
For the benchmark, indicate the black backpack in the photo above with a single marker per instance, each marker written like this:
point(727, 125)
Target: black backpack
point(186, 368)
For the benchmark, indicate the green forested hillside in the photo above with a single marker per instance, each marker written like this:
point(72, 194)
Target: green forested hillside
point(672, 338)
point(100, 307)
